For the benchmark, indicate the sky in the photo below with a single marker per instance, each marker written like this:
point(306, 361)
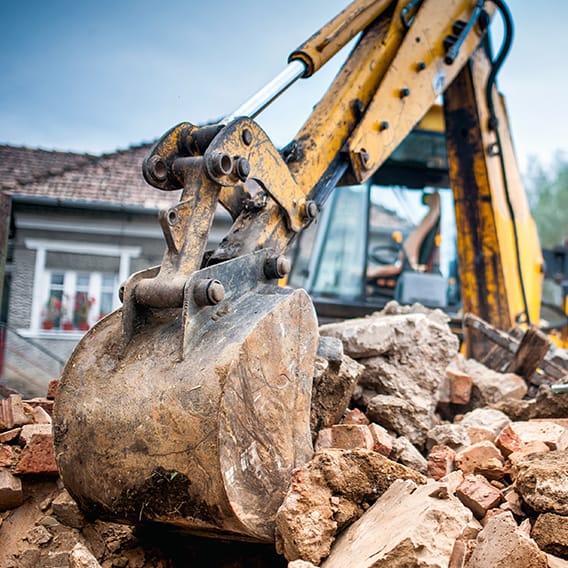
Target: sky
point(99, 75)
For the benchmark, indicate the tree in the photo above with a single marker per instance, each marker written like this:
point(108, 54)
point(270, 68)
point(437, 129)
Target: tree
point(548, 197)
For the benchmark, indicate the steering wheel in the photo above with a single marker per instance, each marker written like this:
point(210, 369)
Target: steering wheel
point(384, 253)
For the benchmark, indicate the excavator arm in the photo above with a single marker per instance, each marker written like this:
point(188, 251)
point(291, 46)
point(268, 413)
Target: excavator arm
point(190, 405)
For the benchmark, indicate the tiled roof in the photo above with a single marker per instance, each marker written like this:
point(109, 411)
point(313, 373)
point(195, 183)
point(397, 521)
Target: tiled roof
point(114, 178)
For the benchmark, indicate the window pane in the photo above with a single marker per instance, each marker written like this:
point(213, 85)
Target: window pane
point(83, 282)
point(105, 304)
point(57, 279)
point(108, 281)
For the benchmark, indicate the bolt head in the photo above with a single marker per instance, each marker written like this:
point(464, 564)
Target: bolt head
point(311, 210)
point(243, 169)
point(158, 168)
point(277, 267)
point(247, 137)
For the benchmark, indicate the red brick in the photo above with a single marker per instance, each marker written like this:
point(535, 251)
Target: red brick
point(440, 461)
point(382, 441)
point(460, 385)
point(52, 389)
point(345, 437)
point(508, 441)
point(477, 434)
point(478, 495)
point(354, 416)
point(37, 457)
point(483, 458)
point(453, 480)
point(7, 456)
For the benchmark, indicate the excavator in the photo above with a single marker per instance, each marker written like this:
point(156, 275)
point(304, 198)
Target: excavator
point(189, 406)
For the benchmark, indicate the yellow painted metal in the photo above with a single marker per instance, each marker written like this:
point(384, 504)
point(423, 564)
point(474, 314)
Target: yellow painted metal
point(337, 114)
point(412, 83)
point(490, 278)
point(325, 43)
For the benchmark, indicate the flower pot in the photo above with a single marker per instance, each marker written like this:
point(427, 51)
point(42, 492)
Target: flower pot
point(67, 326)
point(47, 324)
point(83, 326)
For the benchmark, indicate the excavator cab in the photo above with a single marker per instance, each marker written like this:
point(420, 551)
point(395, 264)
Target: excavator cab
point(393, 237)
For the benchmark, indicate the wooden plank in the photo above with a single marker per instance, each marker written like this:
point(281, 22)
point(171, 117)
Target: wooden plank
point(530, 353)
point(510, 344)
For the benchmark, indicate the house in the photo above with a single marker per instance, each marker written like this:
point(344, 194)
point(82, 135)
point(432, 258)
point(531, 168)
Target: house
point(78, 226)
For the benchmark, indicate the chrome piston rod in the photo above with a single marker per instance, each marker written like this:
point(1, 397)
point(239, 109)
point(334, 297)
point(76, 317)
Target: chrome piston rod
point(272, 90)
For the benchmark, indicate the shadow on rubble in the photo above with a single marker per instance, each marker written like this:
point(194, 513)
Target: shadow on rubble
point(188, 550)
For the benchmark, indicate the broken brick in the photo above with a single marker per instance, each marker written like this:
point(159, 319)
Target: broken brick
point(7, 456)
point(38, 456)
point(345, 437)
point(460, 385)
point(478, 495)
point(483, 458)
point(9, 435)
point(354, 416)
point(383, 442)
point(440, 461)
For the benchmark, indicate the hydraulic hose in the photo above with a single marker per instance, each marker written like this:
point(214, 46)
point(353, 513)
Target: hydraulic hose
point(493, 125)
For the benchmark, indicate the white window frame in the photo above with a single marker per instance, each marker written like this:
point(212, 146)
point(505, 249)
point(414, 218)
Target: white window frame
point(41, 282)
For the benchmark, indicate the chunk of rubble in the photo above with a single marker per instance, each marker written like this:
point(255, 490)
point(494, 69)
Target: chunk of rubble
point(491, 386)
point(478, 495)
point(345, 437)
point(14, 412)
point(486, 418)
point(37, 456)
point(456, 386)
point(81, 557)
point(11, 495)
point(454, 436)
point(335, 379)
point(407, 454)
point(542, 481)
point(440, 461)
point(550, 532)
point(66, 511)
point(501, 544)
point(329, 492)
point(483, 458)
point(405, 357)
point(407, 526)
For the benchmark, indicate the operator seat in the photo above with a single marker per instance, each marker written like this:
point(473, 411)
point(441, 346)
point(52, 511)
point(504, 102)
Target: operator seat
point(415, 250)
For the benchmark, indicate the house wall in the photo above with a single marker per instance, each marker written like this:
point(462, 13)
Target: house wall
point(85, 241)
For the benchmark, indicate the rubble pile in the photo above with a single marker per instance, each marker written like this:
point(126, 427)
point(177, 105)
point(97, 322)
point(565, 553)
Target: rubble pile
point(422, 458)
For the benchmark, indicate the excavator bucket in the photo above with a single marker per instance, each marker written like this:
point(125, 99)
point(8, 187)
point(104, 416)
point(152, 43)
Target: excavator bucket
point(198, 420)
point(190, 405)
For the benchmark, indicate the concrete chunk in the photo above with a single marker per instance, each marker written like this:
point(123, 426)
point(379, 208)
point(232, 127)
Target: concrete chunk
point(542, 481)
point(490, 386)
point(328, 492)
point(407, 526)
point(502, 545)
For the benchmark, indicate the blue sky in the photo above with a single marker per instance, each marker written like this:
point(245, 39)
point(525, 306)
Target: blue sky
point(97, 75)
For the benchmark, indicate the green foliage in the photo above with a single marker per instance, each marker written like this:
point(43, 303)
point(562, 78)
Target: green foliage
point(548, 197)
